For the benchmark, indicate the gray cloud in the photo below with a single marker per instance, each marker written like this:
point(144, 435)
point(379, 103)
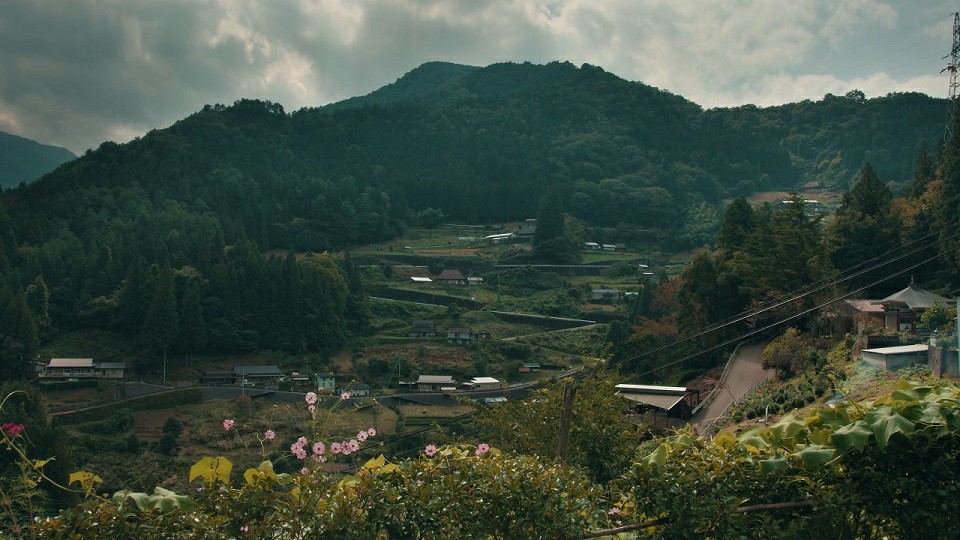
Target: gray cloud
point(80, 72)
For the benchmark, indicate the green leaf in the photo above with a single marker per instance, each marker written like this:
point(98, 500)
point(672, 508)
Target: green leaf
point(658, 457)
point(815, 456)
point(850, 436)
point(211, 469)
point(768, 466)
point(375, 463)
point(884, 423)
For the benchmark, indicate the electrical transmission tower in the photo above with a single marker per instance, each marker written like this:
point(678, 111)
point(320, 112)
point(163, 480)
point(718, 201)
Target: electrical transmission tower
point(952, 67)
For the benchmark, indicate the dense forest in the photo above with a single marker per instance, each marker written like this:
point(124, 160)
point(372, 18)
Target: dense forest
point(177, 222)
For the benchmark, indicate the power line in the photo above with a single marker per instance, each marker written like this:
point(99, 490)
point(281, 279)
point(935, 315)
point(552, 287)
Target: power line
point(787, 319)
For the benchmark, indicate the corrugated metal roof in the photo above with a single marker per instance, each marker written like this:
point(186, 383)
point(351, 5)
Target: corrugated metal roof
point(70, 363)
point(650, 389)
point(665, 402)
point(902, 349)
point(112, 365)
point(436, 379)
point(256, 370)
point(484, 380)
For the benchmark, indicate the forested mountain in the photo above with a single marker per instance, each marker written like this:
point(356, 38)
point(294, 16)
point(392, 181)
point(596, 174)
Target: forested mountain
point(23, 160)
point(99, 241)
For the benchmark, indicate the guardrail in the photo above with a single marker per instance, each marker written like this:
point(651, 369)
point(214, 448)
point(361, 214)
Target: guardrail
point(723, 375)
point(707, 429)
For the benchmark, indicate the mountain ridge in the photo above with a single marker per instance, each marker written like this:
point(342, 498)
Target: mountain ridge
point(24, 160)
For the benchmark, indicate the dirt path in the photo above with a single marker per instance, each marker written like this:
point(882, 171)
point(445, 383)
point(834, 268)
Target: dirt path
point(744, 373)
point(586, 327)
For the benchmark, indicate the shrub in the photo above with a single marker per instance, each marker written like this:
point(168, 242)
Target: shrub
point(133, 444)
point(173, 426)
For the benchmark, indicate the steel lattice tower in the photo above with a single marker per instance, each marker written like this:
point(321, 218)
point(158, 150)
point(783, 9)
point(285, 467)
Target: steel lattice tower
point(952, 68)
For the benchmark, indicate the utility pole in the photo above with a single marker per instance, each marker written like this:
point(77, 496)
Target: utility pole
point(952, 68)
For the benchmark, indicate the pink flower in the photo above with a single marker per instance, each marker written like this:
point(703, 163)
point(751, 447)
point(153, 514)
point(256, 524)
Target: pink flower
point(311, 398)
point(482, 449)
point(614, 511)
point(199, 489)
point(362, 436)
point(319, 448)
point(336, 448)
point(345, 395)
point(618, 522)
point(372, 432)
point(244, 528)
point(227, 424)
point(304, 470)
point(11, 428)
point(269, 435)
point(294, 448)
point(312, 409)
point(302, 441)
point(354, 445)
point(317, 457)
point(430, 450)
point(301, 454)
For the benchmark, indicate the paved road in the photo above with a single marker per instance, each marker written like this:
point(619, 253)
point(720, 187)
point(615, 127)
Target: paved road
point(744, 373)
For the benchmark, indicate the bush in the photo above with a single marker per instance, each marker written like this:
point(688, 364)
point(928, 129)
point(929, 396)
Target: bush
point(173, 426)
point(167, 444)
point(133, 444)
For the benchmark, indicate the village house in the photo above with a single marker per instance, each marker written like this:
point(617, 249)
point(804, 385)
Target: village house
point(422, 329)
point(675, 401)
point(495, 239)
point(529, 367)
point(69, 368)
point(111, 370)
point(609, 247)
point(421, 280)
point(475, 281)
point(256, 374)
point(898, 312)
point(894, 358)
point(218, 376)
point(357, 390)
point(451, 277)
point(527, 229)
point(460, 336)
point(436, 383)
point(480, 384)
point(326, 381)
point(592, 246)
point(606, 294)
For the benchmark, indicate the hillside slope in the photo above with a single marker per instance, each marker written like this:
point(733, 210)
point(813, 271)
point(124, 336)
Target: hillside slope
point(24, 160)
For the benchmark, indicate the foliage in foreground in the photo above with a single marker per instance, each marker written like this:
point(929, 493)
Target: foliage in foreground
point(455, 494)
point(875, 469)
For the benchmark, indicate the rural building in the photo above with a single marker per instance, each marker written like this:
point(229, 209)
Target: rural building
point(300, 378)
point(326, 381)
point(898, 312)
point(620, 246)
point(527, 229)
point(475, 281)
point(357, 390)
point(218, 376)
point(452, 277)
point(676, 401)
point(256, 374)
point(609, 247)
point(418, 279)
point(606, 294)
point(482, 334)
point(70, 368)
point(461, 336)
point(479, 384)
point(435, 383)
point(592, 246)
point(495, 239)
point(422, 329)
point(529, 367)
point(111, 370)
point(894, 358)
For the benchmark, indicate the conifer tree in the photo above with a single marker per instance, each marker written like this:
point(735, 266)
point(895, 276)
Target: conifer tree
point(160, 325)
point(193, 327)
point(922, 173)
point(738, 223)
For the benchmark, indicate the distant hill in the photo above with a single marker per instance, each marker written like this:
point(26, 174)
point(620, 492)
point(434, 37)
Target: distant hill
point(23, 160)
point(637, 163)
point(423, 85)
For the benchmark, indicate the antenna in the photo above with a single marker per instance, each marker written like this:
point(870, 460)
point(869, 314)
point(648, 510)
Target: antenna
point(952, 67)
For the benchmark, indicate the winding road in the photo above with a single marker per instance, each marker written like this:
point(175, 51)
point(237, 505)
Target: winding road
point(745, 372)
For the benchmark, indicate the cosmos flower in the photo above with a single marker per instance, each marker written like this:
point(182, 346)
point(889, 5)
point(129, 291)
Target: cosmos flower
point(430, 450)
point(227, 424)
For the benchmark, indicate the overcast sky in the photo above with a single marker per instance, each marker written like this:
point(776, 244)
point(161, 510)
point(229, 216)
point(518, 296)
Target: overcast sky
point(77, 72)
